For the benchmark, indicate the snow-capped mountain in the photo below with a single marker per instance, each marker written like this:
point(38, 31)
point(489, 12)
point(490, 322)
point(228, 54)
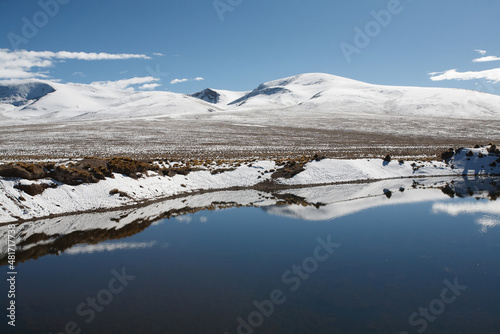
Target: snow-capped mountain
point(208, 95)
point(43, 101)
point(21, 94)
point(333, 94)
point(218, 96)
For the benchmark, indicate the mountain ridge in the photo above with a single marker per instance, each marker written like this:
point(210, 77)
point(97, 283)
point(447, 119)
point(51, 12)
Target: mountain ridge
point(32, 101)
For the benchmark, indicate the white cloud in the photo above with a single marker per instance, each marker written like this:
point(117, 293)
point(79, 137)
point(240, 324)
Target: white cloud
point(80, 74)
point(126, 83)
point(21, 64)
point(176, 81)
point(490, 212)
point(92, 55)
point(108, 247)
point(488, 222)
point(492, 75)
point(150, 86)
point(158, 54)
point(184, 219)
point(486, 59)
point(491, 208)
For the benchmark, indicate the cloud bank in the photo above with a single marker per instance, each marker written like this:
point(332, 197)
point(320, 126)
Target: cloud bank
point(23, 64)
point(491, 75)
point(148, 83)
point(486, 59)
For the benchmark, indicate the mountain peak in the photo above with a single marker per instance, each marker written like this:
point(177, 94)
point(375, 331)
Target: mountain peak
point(208, 95)
point(309, 79)
point(22, 93)
point(295, 89)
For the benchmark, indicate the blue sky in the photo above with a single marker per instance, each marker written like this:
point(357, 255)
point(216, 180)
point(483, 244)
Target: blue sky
point(242, 43)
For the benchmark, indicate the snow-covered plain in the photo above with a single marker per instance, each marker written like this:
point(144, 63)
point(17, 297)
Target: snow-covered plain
point(304, 113)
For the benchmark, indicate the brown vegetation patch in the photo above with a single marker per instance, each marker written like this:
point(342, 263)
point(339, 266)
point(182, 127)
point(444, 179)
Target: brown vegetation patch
point(72, 176)
point(119, 192)
point(22, 170)
point(293, 167)
point(129, 167)
point(34, 189)
point(221, 170)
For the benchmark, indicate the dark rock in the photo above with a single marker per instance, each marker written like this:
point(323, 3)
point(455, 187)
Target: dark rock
point(387, 158)
point(318, 157)
point(208, 95)
point(447, 155)
point(448, 191)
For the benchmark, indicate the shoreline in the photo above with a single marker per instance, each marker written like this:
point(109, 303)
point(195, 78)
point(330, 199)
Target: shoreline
point(56, 235)
point(272, 188)
point(117, 191)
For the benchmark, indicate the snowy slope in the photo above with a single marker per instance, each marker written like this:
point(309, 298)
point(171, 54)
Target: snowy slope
point(41, 101)
point(22, 93)
point(316, 92)
point(69, 102)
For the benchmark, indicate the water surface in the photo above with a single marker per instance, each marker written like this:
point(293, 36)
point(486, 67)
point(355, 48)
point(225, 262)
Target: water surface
point(342, 259)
